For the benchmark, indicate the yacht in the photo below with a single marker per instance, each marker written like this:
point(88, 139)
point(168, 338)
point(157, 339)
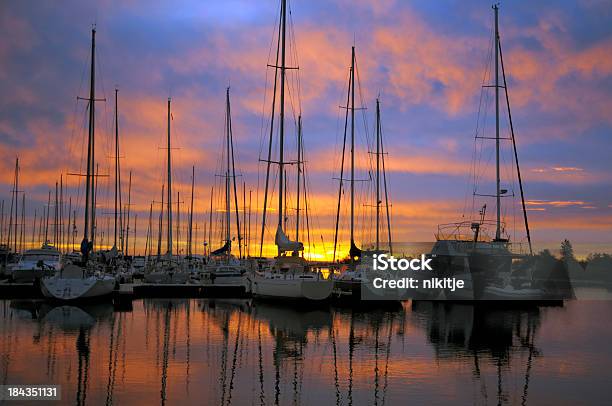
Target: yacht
point(75, 282)
point(479, 251)
point(355, 279)
point(223, 268)
point(84, 280)
point(290, 276)
point(36, 263)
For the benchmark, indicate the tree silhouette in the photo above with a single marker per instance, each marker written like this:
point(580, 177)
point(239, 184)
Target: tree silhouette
point(567, 251)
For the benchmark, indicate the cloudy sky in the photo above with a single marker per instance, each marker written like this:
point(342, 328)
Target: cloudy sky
point(427, 61)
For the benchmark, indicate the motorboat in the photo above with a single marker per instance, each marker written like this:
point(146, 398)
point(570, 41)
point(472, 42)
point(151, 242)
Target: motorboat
point(36, 263)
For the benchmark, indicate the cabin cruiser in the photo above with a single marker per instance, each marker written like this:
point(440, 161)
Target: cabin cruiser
point(476, 259)
point(36, 263)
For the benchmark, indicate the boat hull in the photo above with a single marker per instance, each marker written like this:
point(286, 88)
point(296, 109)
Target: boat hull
point(29, 275)
point(72, 289)
point(291, 288)
point(166, 277)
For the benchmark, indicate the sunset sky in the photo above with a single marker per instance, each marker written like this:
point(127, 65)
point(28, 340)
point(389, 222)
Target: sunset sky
point(425, 59)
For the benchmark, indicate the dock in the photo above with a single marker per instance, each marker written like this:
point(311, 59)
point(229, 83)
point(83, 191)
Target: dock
point(19, 290)
point(138, 290)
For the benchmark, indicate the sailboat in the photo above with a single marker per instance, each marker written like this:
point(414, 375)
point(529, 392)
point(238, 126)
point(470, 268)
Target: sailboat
point(167, 268)
point(467, 250)
point(356, 270)
point(223, 267)
point(83, 281)
point(115, 256)
point(289, 276)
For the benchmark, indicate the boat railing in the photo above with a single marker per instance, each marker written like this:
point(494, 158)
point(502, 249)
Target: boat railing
point(464, 230)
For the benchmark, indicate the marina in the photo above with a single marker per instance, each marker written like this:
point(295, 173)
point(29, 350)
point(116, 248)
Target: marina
point(305, 203)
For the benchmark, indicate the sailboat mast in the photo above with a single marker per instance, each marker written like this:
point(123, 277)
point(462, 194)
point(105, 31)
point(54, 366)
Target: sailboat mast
point(16, 200)
point(169, 203)
point(377, 174)
point(384, 172)
point(352, 146)
point(94, 222)
point(85, 248)
point(68, 249)
point(61, 214)
point(161, 224)
point(210, 215)
point(191, 213)
point(281, 168)
point(341, 178)
point(269, 160)
point(55, 218)
point(127, 227)
point(148, 244)
point(22, 227)
point(2, 221)
point(497, 179)
point(34, 228)
point(231, 138)
point(116, 164)
point(244, 214)
point(47, 218)
point(227, 174)
point(178, 222)
point(299, 175)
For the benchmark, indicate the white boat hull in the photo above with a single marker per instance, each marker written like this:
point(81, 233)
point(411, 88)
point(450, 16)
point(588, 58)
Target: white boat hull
point(166, 277)
point(77, 289)
point(291, 288)
point(508, 293)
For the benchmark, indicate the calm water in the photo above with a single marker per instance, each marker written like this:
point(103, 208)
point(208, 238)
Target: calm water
point(239, 352)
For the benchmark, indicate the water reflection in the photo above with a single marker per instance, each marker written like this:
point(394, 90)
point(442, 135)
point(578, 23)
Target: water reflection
point(474, 332)
point(237, 351)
